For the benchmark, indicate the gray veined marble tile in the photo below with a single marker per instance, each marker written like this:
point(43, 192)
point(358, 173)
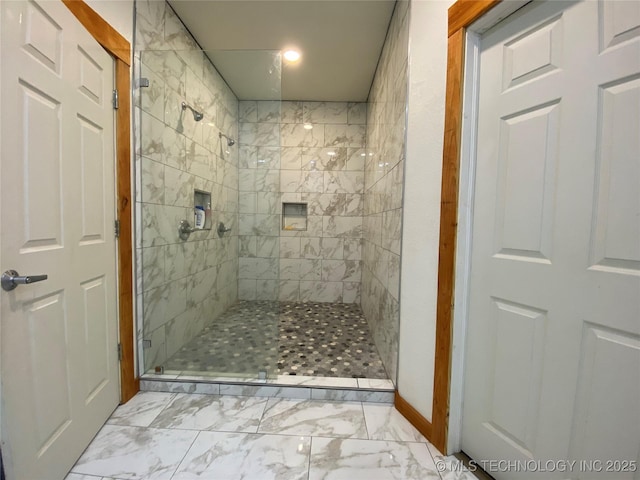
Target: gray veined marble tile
point(182, 386)
point(141, 410)
point(266, 391)
point(291, 112)
point(153, 267)
point(247, 289)
point(338, 458)
point(247, 156)
point(268, 157)
point(343, 182)
point(313, 291)
point(260, 134)
point(357, 113)
point(269, 111)
point(315, 381)
point(450, 467)
point(325, 112)
point(150, 25)
point(295, 135)
point(248, 111)
point(289, 290)
point(345, 136)
point(152, 181)
point(266, 289)
point(268, 247)
point(375, 383)
point(350, 227)
point(79, 476)
point(211, 412)
point(305, 417)
point(341, 270)
point(152, 97)
point(164, 303)
point(268, 203)
point(131, 453)
point(151, 132)
point(291, 158)
point(352, 248)
point(351, 396)
point(384, 422)
point(351, 292)
point(267, 180)
point(249, 457)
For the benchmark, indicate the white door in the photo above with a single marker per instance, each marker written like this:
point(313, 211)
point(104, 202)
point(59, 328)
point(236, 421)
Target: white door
point(59, 336)
point(552, 368)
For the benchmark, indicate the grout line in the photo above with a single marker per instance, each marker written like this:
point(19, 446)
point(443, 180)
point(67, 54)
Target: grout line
point(171, 399)
point(309, 463)
point(264, 410)
point(185, 454)
point(366, 427)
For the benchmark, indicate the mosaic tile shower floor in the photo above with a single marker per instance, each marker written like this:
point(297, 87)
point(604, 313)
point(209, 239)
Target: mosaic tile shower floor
point(284, 338)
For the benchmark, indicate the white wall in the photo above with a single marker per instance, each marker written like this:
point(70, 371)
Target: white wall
point(118, 13)
point(421, 221)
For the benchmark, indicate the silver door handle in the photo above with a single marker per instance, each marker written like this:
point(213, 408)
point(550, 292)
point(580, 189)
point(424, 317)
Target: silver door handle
point(11, 279)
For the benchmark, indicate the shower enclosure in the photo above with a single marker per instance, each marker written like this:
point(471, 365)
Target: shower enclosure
point(188, 225)
point(264, 227)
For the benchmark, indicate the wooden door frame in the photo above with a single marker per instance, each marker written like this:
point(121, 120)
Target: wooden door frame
point(460, 16)
point(120, 49)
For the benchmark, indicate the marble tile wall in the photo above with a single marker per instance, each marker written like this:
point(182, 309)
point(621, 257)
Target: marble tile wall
point(323, 166)
point(182, 285)
point(384, 169)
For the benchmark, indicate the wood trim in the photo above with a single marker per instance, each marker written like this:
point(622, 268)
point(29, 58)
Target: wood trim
point(415, 418)
point(119, 47)
point(464, 12)
point(105, 34)
point(448, 232)
point(129, 382)
point(461, 14)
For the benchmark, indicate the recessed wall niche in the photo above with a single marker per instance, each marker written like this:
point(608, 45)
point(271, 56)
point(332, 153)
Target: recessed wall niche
point(203, 199)
point(294, 216)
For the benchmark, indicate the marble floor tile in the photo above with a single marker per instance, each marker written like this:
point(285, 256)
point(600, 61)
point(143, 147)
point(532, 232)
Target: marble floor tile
point(308, 417)
point(212, 412)
point(384, 422)
point(350, 459)
point(141, 410)
point(78, 476)
point(246, 456)
point(134, 453)
point(450, 467)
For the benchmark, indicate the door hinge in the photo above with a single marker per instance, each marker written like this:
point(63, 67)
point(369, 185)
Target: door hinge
point(119, 352)
point(116, 228)
point(116, 102)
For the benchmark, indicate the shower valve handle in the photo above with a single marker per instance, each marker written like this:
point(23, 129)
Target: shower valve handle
point(185, 229)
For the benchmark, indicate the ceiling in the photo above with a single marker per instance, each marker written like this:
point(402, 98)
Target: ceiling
point(340, 42)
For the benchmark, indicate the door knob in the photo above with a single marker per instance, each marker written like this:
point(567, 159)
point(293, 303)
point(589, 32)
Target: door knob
point(11, 279)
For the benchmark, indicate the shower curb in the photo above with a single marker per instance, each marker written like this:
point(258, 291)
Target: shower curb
point(268, 389)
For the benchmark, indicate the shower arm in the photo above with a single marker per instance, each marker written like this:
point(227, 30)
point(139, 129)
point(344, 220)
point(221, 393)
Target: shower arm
point(197, 116)
point(230, 141)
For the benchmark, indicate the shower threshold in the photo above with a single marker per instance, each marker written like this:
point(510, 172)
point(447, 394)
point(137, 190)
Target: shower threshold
point(372, 390)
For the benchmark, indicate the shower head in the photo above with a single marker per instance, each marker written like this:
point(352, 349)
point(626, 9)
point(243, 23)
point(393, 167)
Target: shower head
point(197, 116)
point(230, 141)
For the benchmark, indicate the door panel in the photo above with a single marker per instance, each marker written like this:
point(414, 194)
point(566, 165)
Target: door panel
point(552, 366)
point(616, 232)
point(59, 336)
